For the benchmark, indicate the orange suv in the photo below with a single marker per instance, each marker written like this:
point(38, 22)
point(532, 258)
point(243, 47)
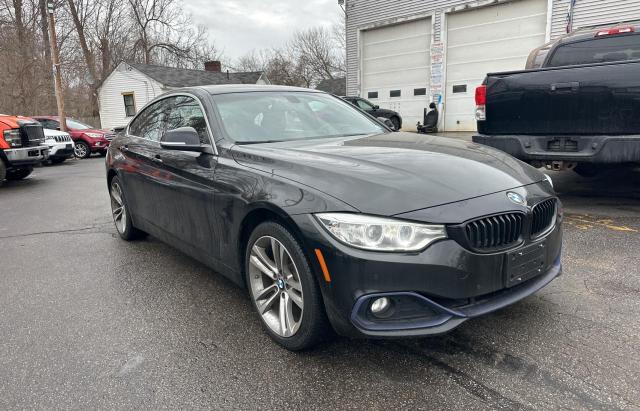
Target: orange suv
point(21, 147)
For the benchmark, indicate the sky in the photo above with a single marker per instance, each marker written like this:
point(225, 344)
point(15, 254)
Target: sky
point(237, 27)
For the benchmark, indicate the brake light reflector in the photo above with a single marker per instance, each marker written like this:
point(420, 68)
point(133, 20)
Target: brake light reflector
point(615, 30)
point(481, 101)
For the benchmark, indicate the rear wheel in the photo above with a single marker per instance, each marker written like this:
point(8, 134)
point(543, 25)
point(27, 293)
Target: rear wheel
point(82, 150)
point(283, 289)
point(120, 213)
point(18, 174)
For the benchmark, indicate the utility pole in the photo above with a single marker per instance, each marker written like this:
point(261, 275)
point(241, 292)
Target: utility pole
point(55, 60)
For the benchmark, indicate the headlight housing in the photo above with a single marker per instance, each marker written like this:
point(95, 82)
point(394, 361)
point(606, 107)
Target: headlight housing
point(93, 135)
point(380, 234)
point(549, 180)
point(12, 137)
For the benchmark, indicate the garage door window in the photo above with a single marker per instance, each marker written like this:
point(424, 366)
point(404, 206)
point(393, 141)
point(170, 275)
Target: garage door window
point(372, 94)
point(419, 91)
point(394, 93)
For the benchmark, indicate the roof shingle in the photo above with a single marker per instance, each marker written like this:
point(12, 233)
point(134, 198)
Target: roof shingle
point(176, 77)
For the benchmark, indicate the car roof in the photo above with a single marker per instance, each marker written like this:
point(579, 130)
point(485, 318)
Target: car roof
point(586, 33)
point(248, 88)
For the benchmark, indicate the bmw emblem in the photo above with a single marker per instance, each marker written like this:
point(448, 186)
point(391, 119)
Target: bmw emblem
point(280, 283)
point(516, 198)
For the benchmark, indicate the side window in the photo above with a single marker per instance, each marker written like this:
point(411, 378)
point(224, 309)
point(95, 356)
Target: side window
point(151, 122)
point(363, 104)
point(49, 124)
point(186, 112)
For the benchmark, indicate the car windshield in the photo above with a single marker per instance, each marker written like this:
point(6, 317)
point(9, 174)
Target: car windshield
point(76, 125)
point(258, 117)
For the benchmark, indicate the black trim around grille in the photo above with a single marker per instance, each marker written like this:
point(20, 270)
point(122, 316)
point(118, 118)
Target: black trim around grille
point(495, 232)
point(32, 134)
point(543, 216)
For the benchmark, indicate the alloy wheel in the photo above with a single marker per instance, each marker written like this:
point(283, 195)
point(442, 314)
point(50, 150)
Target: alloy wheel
point(275, 286)
point(117, 207)
point(80, 150)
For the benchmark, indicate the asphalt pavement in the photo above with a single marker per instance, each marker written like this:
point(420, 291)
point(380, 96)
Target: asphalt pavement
point(88, 321)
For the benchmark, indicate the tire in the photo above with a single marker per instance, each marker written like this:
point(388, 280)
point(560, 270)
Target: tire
point(57, 160)
point(18, 174)
point(3, 172)
point(587, 170)
point(396, 122)
point(122, 219)
point(277, 294)
point(82, 150)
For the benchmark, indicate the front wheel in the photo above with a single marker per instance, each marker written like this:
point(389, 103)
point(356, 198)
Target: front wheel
point(283, 289)
point(82, 150)
point(396, 123)
point(18, 174)
point(120, 212)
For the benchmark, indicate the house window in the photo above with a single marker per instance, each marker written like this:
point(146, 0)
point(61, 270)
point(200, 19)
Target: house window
point(394, 93)
point(419, 91)
point(372, 94)
point(129, 104)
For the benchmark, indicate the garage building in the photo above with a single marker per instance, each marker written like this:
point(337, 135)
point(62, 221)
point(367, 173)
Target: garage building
point(403, 54)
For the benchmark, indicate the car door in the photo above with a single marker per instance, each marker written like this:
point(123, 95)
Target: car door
point(185, 203)
point(142, 177)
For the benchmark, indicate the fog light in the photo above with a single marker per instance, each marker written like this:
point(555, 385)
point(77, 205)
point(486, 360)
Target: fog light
point(380, 306)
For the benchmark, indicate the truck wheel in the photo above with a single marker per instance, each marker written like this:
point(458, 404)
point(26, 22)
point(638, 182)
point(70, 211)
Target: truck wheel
point(18, 174)
point(82, 150)
point(587, 170)
point(3, 172)
point(396, 123)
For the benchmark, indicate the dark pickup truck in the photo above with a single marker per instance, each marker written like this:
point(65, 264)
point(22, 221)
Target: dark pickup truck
point(580, 110)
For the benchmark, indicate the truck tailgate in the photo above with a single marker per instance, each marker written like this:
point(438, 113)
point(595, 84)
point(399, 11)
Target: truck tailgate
point(576, 100)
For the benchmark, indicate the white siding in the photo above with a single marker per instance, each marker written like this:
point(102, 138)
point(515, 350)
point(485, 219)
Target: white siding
point(364, 14)
point(593, 13)
point(124, 79)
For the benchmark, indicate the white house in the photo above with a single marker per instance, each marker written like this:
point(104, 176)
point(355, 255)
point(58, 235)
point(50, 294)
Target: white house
point(132, 85)
point(402, 55)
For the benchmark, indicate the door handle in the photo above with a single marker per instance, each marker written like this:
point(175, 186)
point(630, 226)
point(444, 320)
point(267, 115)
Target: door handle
point(157, 158)
point(124, 147)
point(572, 86)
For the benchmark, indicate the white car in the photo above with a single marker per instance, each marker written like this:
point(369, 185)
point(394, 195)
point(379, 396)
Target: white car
point(60, 144)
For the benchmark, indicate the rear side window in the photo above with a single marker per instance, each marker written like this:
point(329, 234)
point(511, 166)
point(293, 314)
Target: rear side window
point(598, 50)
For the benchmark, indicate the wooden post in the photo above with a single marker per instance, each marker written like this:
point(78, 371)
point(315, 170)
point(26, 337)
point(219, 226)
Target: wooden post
point(55, 60)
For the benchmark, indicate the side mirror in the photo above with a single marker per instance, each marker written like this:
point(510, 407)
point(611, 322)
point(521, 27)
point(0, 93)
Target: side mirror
point(376, 107)
point(387, 123)
point(183, 139)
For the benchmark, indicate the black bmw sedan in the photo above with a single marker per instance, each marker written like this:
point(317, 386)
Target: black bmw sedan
point(330, 220)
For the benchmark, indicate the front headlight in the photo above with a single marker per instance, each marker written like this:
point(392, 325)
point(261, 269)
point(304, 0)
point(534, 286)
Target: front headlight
point(12, 137)
point(93, 135)
point(549, 180)
point(380, 234)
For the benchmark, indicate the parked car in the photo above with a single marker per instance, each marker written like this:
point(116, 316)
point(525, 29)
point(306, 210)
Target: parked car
point(579, 111)
point(330, 219)
point(376, 111)
point(21, 147)
point(61, 146)
point(87, 139)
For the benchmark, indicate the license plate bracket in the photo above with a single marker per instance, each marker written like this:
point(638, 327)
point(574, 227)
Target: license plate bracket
point(525, 263)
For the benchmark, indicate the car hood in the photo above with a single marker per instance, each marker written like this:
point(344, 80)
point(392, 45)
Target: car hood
point(385, 112)
point(391, 173)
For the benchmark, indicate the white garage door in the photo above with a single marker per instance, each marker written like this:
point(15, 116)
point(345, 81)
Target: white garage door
point(395, 68)
point(489, 39)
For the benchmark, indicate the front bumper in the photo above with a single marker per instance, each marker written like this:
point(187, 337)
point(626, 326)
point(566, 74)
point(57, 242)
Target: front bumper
point(99, 145)
point(61, 150)
point(588, 149)
point(26, 155)
point(436, 289)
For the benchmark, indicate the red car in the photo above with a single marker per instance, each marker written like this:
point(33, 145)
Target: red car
point(86, 138)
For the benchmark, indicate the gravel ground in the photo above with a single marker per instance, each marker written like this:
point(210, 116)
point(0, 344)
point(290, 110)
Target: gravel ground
point(90, 321)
